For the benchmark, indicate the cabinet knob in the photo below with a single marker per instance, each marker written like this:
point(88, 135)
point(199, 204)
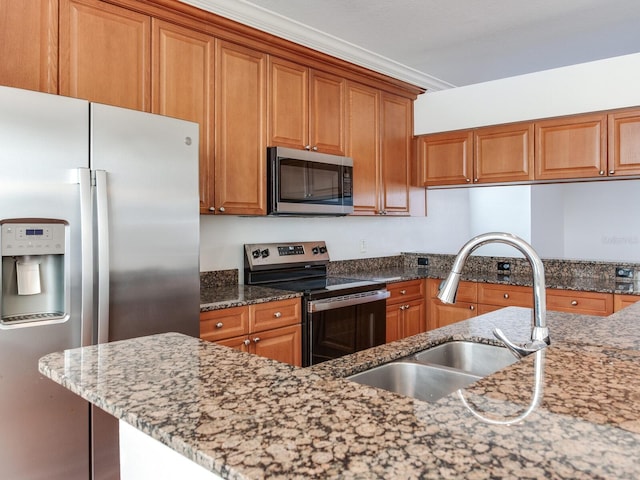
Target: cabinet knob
point(574, 302)
point(402, 307)
point(472, 307)
point(219, 325)
point(307, 147)
point(315, 149)
point(212, 209)
point(277, 314)
point(601, 172)
point(475, 179)
point(221, 209)
point(467, 180)
point(611, 172)
point(403, 292)
point(506, 295)
point(256, 339)
point(247, 342)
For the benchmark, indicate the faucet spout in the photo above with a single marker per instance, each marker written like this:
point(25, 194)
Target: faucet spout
point(539, 332)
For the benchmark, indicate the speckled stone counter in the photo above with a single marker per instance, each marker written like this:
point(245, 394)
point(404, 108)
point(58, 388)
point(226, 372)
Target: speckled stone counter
point(226, 296)
point(243, 416)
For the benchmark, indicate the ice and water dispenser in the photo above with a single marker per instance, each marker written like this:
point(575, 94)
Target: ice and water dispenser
point(35, 283)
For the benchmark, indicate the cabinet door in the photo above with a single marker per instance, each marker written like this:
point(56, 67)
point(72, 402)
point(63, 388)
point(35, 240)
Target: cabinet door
point(288, 104)
point(363, 146)
point(241, 149)
point(29, 44)
point(441, 315)
point(504, 153)
point(414, 318)
point(396, 130)
point(326, 108)
point(183, 62)
point(445, 158)
point(571, 147)
point(586, 303)
point(239, 343)
point(105, 54)
point(624, 143)
point(393, 326)
point(281, 344)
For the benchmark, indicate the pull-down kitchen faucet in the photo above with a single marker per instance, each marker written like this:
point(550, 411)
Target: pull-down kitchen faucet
point(539, 332)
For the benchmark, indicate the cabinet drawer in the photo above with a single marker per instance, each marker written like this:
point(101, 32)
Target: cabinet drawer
point(588, 303)
point(505, 295)
point(275, 314)
point(404, 291)
point(467, 291)
point(225, 323)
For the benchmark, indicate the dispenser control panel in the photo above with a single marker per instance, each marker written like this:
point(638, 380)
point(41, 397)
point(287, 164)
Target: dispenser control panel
point(32, 238)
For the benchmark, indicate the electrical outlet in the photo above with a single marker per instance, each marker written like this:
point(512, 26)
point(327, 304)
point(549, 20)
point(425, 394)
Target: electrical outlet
point(363, 246)
point(624, 272)
point(504, 266)
point(423, 261)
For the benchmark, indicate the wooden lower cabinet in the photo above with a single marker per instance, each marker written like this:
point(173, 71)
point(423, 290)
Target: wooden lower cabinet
point(623, 301)
point(406, 310)
point(440, 314)
point(271, 329)
point(586, 303)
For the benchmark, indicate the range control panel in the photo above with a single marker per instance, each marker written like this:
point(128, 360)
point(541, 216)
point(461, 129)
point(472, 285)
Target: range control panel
point(274, 255)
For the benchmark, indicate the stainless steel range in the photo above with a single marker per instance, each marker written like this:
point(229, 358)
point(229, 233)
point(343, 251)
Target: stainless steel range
point(340, 315)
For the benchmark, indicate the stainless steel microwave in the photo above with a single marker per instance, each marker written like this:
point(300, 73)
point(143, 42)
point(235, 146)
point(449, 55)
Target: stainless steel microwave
point(302, 182)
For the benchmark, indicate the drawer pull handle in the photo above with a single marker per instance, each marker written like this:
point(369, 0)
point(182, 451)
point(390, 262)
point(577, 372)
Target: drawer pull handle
point(219, 325)
point(256, 340)
point(277, 314)
point(506, 295)
point(472, 307)
point(247, 342)
point(403, 292)
point(574, 302)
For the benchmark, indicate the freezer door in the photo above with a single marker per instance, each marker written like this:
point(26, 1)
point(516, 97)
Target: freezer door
point(44, 432)
point(148, 165)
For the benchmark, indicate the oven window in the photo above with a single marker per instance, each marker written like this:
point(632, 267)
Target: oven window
point(303, 181)
point(341, 331)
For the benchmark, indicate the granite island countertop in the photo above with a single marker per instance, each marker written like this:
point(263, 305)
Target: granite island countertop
point(243, 416)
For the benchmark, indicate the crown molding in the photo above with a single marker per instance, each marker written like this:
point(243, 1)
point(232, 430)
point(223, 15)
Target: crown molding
point(257, 17)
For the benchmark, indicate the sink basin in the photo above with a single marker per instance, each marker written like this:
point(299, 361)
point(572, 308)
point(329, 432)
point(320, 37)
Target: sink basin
point(424, 382)
point(474, 358)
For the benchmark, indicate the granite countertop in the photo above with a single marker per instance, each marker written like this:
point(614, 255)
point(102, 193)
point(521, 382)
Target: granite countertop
point(219, 297)
point(243, 416)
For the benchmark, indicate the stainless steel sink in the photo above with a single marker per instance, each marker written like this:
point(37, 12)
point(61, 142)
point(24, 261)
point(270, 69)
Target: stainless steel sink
point(434, 373)
point(474, 358)
point(424, 382)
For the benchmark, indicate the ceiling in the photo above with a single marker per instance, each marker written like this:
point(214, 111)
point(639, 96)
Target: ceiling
point(439, 44)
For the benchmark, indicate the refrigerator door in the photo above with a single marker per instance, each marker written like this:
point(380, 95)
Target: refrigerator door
point(147, 232)
point(44, 430)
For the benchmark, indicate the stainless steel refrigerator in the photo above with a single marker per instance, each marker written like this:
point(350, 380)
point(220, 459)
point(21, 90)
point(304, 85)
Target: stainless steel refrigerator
point(100, 242)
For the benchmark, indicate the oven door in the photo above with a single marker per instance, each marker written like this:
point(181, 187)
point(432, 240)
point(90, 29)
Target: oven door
point(340, 326)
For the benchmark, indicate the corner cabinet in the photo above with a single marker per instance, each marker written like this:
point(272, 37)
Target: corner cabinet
point(105, 54)
point(306, 108)
point(270, 329)
point(624, 142)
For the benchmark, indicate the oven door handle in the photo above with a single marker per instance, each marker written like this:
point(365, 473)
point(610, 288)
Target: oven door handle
point(346, 300)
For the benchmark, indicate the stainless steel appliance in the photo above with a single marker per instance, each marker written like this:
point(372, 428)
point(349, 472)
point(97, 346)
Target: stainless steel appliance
point(100, 240)
point(340, 315)
point(303, 182)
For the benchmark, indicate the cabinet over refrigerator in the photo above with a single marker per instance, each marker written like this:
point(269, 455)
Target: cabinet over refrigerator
point(99, 234)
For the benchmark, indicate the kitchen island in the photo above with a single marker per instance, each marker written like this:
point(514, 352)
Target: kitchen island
point(242, 416)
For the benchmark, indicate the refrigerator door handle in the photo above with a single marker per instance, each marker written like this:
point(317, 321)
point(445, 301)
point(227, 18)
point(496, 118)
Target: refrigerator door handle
point(102, 222)
point(86, 247)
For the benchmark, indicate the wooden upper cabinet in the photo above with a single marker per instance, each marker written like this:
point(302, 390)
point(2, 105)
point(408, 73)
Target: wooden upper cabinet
point(363, 146)
point(396, 125)
point(105, 54)
point(240, 114)
point(445, 158)
point(503, 153)
point(183, 76)
point(306, 108)
point(624, 142)
point(571, 147)
point(29, 44)
point(326, 108)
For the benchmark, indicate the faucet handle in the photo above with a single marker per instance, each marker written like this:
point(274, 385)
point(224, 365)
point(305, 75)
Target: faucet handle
point(519, 351)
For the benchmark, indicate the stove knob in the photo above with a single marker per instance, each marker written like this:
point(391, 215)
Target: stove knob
point(264, 253)
point(323, 249)
point(255, 254)
point(315, 250)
